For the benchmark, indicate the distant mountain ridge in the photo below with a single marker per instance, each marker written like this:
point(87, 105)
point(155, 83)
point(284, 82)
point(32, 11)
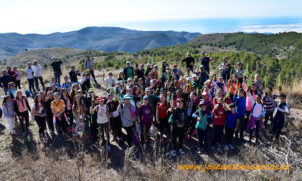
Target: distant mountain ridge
point(96, 38)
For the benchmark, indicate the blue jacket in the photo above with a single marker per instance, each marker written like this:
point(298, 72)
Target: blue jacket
point(240, 105)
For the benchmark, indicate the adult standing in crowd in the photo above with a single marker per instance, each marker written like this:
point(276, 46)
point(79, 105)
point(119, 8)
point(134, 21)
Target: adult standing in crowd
point(128, 71)
point(4, 81)
point(38, 75)
point(56, 65)
point(30, 78)
point(89, 67)
point(205, 61)
point(189, 63)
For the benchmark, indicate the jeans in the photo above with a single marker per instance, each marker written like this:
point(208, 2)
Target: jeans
point(37, 82)
point(268, 116)
point(25, 117)
point(179, 133)
point(41, 123)
point(202, 136)
point(229, 133)
point(57, 77)
point(31, 86)
point(50, 122)
point(6, 91)
point(218, 133)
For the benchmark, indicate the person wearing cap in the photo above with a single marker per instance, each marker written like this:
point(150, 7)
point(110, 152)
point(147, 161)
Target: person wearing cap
point(115, 120)
point(189, 63)
point(145, 117)
point(56, 65)
point(17, 77)
point(178, 121)
point(128, 71)
point(38, 74)
point(88, 65)
point(226, 73)
point(103, 121)
point(196, 81)
point(128, 117)
point(204, 118)
point(4, 80)
point(73, 74)
point(205, 61)
point(29, 71)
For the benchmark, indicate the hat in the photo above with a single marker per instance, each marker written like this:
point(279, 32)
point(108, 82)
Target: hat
point(189, 79)
point(224, 58)
point(174, 65)
point(148, 64)
point(201, 66)
point(147, 89)
point(202, 103)
point(145, 97)
point(194, 75)
point(204, 94)
point(127, 96)
point(128, 62)
point(129, 79)
point(101, 98)
point(15, 66)
point(220, 77)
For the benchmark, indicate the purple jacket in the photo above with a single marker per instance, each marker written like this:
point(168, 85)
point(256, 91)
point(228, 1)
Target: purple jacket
point(145, 114)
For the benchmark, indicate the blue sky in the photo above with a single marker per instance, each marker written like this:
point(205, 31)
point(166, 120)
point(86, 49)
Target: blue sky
point(46, 16)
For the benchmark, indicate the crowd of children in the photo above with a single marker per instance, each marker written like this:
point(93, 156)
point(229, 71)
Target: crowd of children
point(213, 108)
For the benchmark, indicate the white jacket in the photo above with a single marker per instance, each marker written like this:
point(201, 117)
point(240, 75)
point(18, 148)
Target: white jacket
point(37, 70)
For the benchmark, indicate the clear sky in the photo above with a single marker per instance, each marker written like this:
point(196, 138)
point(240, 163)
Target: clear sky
point(46, 16)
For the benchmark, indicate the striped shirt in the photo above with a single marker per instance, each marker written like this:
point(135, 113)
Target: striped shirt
point(269, 103)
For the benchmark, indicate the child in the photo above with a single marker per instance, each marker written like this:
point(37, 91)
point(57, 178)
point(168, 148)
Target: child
point(145, 116)
point(219, 113)
point(178, 120)
point(21, 107)
point(67, 84)
point(255, 122)
point(162, 115)
point(231, 126)
point(9, 114)
point(269, 106)
point(109, 81)
point(79, 115)
point(240, 104)
point(58, 109)
point(103, 122)
point(39, 113)
point(203, 119)
point(279, 120)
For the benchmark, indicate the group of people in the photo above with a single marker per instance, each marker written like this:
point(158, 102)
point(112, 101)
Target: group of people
point(145, 102)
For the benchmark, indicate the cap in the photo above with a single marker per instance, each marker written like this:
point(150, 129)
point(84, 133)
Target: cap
point(201, 66)
point(204, 94)
point(194, 75)
point(128, 62)
point(145, 97)
point(127, 96)
point(147, 90)
point(101, 98)
point(129, 79)
point(15, 66)
point(174, 65)
point(180, 100)
point(202, 103)
point(148, 64)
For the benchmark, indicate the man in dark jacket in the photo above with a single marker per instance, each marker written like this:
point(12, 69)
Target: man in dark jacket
point(140, 72)
point(189, 63)
point(56, 65)
point(226, 73)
